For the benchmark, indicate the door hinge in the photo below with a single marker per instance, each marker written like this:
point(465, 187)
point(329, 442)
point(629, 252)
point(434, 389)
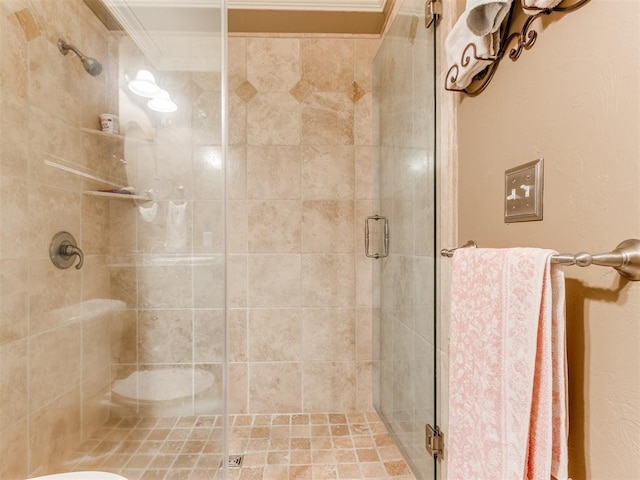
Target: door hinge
point(434, 441)
point(432, 12)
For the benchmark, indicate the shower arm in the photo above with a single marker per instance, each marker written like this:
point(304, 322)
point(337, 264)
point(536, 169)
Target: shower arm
point(64, 48)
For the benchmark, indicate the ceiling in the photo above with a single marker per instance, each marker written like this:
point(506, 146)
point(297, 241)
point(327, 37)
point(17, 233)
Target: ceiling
point(250, 16)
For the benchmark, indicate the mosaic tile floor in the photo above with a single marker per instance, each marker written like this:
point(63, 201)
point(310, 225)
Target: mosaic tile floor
point(275, 447)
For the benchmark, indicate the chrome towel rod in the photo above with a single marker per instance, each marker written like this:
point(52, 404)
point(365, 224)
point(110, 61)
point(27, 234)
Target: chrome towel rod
point(625, 258)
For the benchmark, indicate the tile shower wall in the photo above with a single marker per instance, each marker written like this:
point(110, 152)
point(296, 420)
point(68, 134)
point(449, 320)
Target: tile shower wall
point(54, 358)
point(299, 188)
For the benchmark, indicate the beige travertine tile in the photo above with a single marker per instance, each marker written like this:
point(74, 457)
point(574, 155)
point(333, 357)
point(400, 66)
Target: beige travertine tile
point(365, 52)
point(275, 335)
point(273, 118)
point(275, 387)
point(208, 280)
point(208, 226)
point(165, 286)
point(364, 276)
point(329, 387)
point(364, 330)
point(124, 337)
point(364, 173)
point(14, 52)
point(362, 130)
point(53, 375)
point(327, 226)
point(364, 386)
point(14, 143)
point(54, 432)
point(327, 119)
point(14, 214)
point(236, 173)
point(236, 61)
point(329, 335)
point(237, 226)
point(236, 281)
point(328, 172)
point(237, 121)
point(95, 225)
point(13, 383)
point(14, 443)
point(208, 335)
point(273, 172)
point(327, 63)
point(238, 389)
point(273, 64)
point(96, 355)
point(246, 91)
point(238, 333)
point(206, 129)
point(165, 336)
point(328, 280)
point(208, 176)
point(274, 280)
point(274, 226)
point(14, 300)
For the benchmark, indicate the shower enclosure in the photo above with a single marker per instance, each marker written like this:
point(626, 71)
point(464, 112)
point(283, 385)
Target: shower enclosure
point(404, 281)
point(224, 295)
point(131, 345)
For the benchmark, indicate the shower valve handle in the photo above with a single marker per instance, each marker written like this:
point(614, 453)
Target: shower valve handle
point(63, 250)
point(69, 251)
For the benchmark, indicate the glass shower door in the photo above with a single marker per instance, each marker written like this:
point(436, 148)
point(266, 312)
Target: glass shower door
point(404, 318)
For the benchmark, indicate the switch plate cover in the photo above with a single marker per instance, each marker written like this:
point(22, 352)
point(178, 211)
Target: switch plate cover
point(523, 192)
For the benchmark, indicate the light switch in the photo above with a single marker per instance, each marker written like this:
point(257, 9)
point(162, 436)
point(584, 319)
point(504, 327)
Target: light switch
point(523, 192)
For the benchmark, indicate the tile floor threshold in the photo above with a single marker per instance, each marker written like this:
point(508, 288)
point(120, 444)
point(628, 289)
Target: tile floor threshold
point(274, 447)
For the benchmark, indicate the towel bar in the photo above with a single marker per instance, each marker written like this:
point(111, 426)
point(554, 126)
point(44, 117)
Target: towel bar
point(625, 258)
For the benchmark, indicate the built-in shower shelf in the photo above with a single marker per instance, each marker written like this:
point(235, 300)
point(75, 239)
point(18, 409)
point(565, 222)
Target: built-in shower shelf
point(117, 196)
point(114, 135)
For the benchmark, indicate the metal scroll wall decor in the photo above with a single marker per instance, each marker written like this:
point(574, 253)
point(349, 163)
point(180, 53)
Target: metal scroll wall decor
point(524, 40)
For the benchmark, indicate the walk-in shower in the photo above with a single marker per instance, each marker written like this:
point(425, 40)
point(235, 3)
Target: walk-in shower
point(225, 304)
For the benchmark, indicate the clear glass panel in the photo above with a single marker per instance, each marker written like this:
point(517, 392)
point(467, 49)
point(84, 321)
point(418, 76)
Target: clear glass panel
point(117, 366)
point(404, 342)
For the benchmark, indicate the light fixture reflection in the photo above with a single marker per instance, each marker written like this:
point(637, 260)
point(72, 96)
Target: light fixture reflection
point(162, 102)
point(144, 84)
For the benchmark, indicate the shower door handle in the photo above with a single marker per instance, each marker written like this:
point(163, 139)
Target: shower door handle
point(386, 237)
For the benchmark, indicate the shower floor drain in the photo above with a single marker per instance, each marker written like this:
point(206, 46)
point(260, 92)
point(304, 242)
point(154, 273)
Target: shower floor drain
point(234, 461)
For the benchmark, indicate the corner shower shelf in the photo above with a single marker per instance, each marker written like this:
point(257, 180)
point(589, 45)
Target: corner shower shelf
point(73, 169)
point(114, 135)
point(117, 196)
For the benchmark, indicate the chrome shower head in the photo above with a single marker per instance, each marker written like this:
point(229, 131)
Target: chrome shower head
point(91, 65)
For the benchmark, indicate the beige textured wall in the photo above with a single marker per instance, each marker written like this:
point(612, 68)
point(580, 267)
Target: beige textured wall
point(54, 355)
point(299, 187)
point(573, 99)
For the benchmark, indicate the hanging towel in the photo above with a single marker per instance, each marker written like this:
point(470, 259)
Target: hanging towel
point(457, 45)
point(538, 5)
point(507, 388)
point(486, 16)
point(148, 214)
point(176, 227)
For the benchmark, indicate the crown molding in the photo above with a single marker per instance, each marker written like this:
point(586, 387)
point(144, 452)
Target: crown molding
point(310, 5)
point(299, 5)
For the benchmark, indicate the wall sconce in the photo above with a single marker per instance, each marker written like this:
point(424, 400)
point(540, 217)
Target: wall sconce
point(161, 102)
point(144, 84)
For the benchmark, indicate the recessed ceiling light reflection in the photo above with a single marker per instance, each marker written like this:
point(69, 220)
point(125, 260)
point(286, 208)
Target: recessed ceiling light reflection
point(144, 84)
point(162, 102)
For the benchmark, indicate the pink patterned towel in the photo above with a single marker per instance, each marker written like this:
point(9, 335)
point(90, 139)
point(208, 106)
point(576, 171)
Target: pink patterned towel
point(507, 391)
